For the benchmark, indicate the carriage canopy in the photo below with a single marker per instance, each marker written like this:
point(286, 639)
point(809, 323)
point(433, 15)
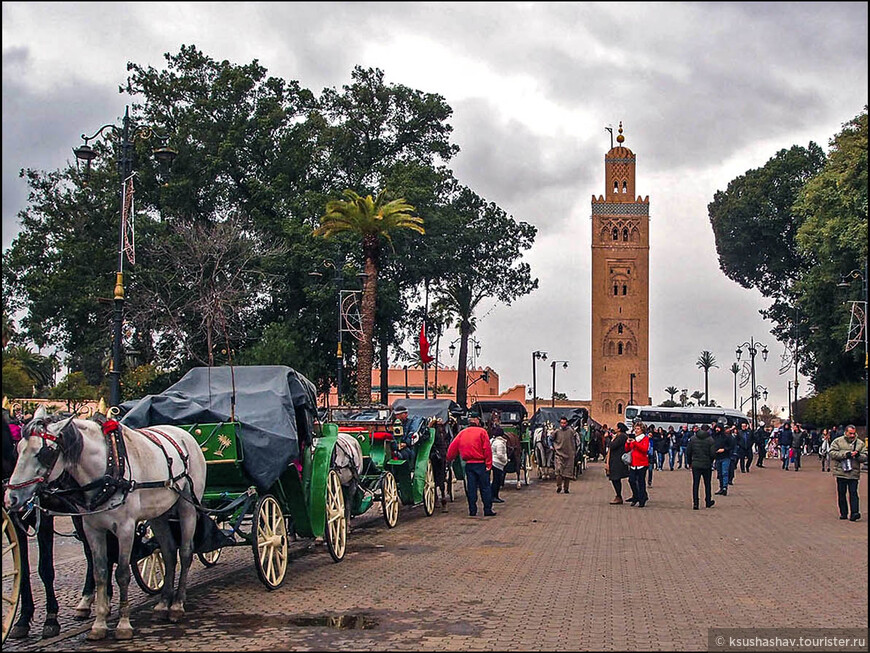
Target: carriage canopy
point(441, 408)
point(576, 416)
point(275, 407)
point(511, 412)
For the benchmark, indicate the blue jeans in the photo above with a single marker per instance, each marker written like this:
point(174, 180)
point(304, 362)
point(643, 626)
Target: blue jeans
point(477, 478)
point(682, 456)
point(783, 453)
point(672, 454)
point(723, 468)
point(637, 481)
point(660, 460)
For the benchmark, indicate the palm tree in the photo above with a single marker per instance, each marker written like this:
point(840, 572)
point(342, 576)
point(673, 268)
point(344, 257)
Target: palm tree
point(460, 300)
point(705, 361)
point(697, 395)
point(734, 369)
point(8, 330)
point(369, 219)
point(671, 390)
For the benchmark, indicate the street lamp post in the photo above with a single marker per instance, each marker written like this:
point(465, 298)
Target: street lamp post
point(858, 321)
point(125, 138)
point(760, 391)
point(338, 280)
point(753, 350)
point(553, 365)
point(472, 340)
point(535, 356)
point(631, 388)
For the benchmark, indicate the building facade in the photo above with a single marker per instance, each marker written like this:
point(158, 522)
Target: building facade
point(620, 290)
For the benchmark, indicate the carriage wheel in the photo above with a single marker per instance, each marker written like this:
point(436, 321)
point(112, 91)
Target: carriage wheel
point(429, 490)
point(390, 499)
point(149, 572)
point(336, 517)
point(11, 573)
point(269, 541)
point(210, 558)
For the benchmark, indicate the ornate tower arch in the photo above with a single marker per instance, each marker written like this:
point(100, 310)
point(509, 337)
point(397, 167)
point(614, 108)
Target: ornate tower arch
point(620, 289)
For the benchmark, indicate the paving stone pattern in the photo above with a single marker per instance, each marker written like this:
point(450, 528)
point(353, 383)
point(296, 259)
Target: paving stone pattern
point(550, 572)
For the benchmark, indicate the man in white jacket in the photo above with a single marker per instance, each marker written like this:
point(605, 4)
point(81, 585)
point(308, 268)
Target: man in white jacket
point(499, 461)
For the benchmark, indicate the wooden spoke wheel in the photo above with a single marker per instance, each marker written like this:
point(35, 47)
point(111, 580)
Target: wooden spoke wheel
point(390, 499)
point(429, 490)
point(270, 542)
point(149, 572)
point(210, 558)
point(11, 573)
point(336, 517)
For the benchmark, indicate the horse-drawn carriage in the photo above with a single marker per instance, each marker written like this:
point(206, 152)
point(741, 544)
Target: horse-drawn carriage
point(271, 474)
point(386, 465)
point(544, 422)
point(512, 415)
point(11, 573)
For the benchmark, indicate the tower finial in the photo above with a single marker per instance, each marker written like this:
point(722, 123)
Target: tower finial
point(620, 139)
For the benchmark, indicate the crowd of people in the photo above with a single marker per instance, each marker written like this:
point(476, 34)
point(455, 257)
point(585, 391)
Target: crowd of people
point(705, 448)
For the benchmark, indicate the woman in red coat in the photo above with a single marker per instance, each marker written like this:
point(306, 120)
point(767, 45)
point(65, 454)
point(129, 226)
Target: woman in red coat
point(638, 447)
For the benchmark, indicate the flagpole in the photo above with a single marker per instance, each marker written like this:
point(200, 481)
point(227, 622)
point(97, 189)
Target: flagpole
point(425, 317)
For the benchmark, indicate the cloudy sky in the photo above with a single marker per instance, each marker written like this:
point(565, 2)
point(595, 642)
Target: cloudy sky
point(706, 91)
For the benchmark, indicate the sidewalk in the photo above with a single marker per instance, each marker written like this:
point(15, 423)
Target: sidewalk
point(550, 572)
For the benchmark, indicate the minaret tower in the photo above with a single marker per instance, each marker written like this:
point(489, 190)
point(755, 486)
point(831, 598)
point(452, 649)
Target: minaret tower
point(620, 290)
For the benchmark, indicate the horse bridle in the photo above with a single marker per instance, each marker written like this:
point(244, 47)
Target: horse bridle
point(47, 457)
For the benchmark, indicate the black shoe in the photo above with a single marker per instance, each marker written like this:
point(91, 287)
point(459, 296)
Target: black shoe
point(558, 490)
point(497, 500)
point(490, 514)
point(567, 492)
point(695, 507)
point(719, 492)
point(843, 517)
point(632, 501)
point(855, 517)
point(710, 503)
point(641, 504)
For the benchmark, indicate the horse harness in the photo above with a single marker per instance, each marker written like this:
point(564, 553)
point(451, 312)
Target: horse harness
point(114, 479)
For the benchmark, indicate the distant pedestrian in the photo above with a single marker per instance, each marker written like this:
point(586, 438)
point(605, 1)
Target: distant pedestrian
point(825, 451)
point(472, 445)
point(684, 435)
point(651, 453)
point(638, 446)
point(499, 460)
point(760, 440)
point(799, 441)
point(848, 453)
point(614, 467)
point(661, 444)
point(744, 444)
point(565, 441)
point(699, 457)
point(723, 445)
point(735, 452)
point(673, 446)
point(786, 440)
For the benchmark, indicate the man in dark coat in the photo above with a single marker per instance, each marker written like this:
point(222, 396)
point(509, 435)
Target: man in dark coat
point(700, 454)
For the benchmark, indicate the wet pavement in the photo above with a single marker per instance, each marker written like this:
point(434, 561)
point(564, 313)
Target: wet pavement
point(549, 572)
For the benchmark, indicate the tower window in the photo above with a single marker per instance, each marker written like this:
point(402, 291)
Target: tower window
point(619, 348)
point(624, 289)
point(619, 409)
point(615, 233)
point(625, 234)
point(619, 328)
point(615, 290)
point(615, 186)
point(624, 186)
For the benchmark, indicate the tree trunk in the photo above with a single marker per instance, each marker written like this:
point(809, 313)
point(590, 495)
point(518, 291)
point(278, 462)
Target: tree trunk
point(461, 373)
point(365, 353)
point(385, 362)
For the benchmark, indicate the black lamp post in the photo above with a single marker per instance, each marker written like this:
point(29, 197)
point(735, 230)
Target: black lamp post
point(859, 315)
point(472, 340)
point(760, 392)
point(753, 350)
point(553, 365)
point(338, 280)
point(535, 356)
point(124, 140)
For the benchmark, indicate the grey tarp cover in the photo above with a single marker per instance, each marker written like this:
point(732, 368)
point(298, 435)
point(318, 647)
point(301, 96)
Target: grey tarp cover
point(442, 408)
point(549, 414)
point(272, 404)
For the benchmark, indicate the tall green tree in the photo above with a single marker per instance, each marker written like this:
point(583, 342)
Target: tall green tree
point(705, 361)
point(371, 220)
point(487, 245)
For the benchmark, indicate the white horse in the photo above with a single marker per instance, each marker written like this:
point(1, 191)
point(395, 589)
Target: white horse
point(543, 452)
point(163, 476)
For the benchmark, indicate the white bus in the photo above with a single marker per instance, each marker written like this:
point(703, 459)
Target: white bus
point(684, 415)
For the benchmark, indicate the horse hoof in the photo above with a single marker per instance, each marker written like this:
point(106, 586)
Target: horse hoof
point(18, 632)
point(123, 633)
point(175, 615)
point(161, 613)
point(81, 614)
point(50, 630)
point(96, 634)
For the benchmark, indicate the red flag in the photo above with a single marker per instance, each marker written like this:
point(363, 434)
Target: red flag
point(424, 346)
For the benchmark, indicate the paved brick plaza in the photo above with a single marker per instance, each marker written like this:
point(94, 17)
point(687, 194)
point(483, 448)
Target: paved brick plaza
point(550, 572)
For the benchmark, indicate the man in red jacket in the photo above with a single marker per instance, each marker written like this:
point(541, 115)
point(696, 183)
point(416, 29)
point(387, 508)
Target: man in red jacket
point(472, 445)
